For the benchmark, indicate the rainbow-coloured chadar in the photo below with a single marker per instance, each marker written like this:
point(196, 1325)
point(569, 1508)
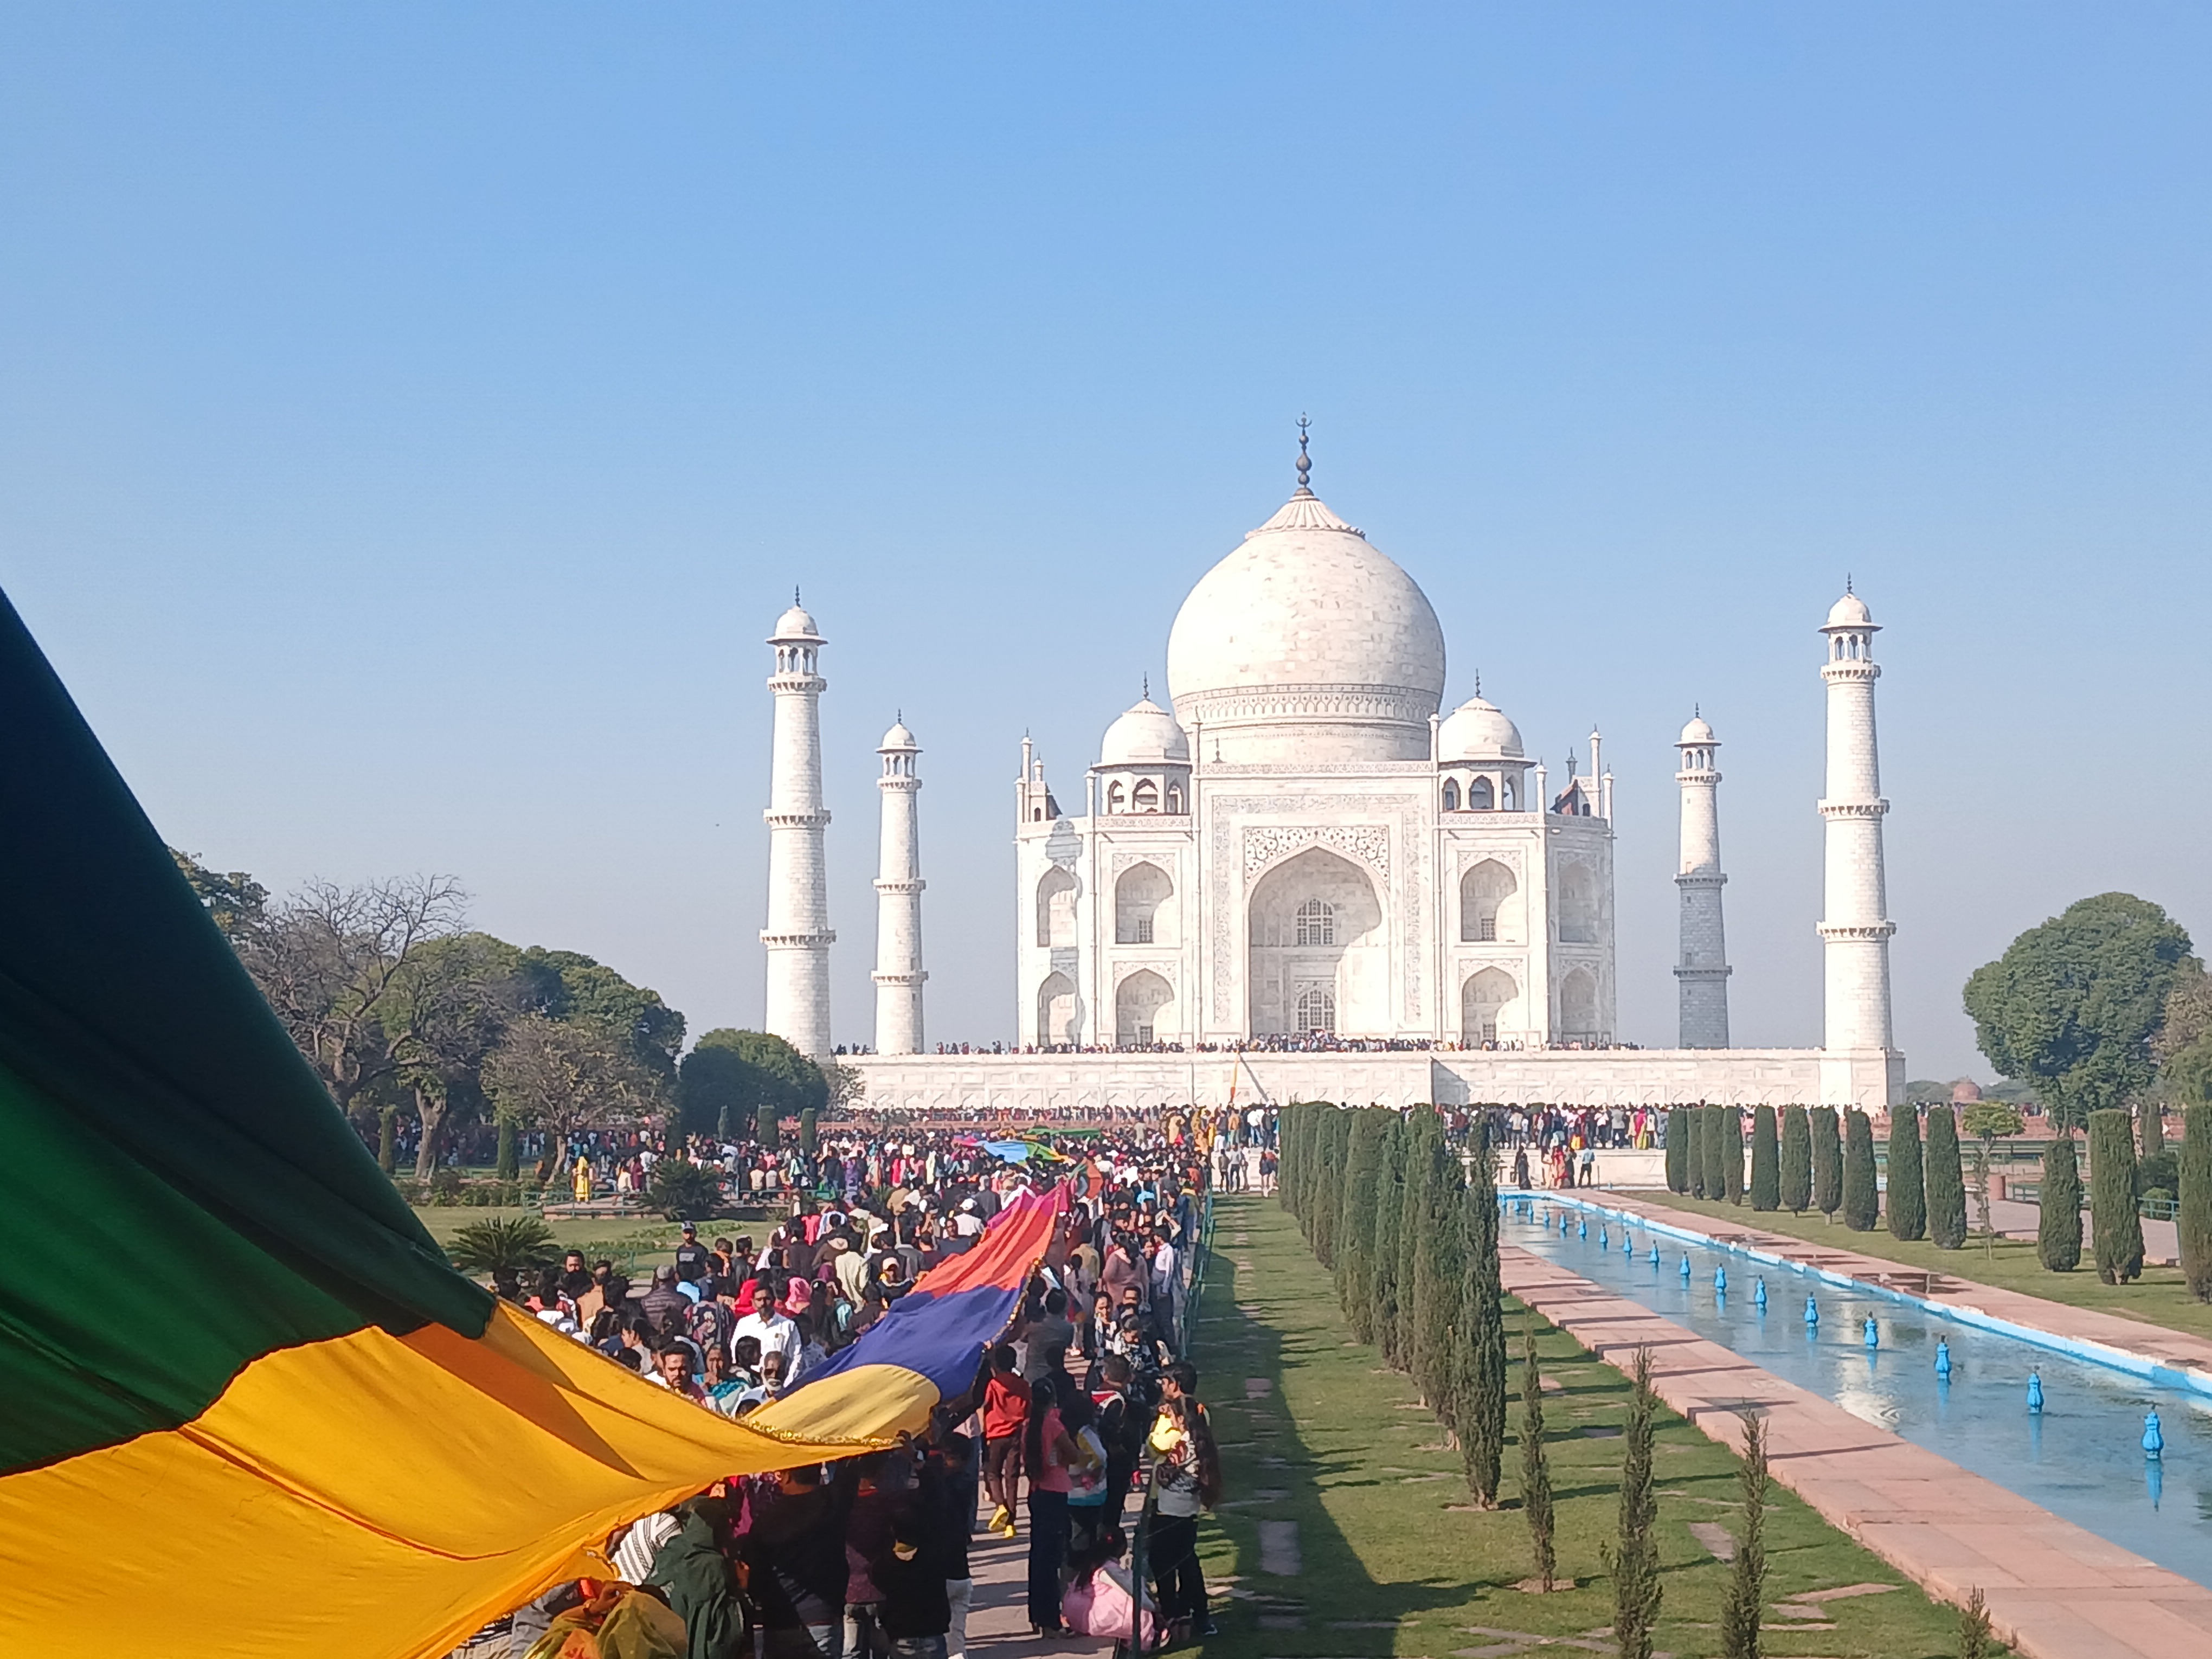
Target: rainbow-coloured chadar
point(247, 1410)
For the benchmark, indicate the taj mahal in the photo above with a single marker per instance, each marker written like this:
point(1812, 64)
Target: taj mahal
point(1303, 878)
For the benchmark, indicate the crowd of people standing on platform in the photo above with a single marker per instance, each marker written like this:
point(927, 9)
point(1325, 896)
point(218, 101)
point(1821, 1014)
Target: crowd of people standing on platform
point(1083, 1429)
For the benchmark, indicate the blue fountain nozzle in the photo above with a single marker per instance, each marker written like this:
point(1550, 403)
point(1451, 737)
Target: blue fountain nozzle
point(1872, 1333)
point(1604, 1238)
point(1720, 1278)
point(2154, 1440)
point(1627, 1245)
point(1686, 1266)
point(1812, 1311)
point(1759, 1292)
point(1942, 1359)
point(2035, 1391)
point(1582, 1228)
point(1654, 1256)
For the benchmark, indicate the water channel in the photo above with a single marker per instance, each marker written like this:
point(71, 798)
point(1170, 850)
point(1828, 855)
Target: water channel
point(2080, 1458)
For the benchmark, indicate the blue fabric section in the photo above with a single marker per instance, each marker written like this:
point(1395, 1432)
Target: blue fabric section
point(939, 1337)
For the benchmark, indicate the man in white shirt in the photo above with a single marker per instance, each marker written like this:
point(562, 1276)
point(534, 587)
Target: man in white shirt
point(775, 1334)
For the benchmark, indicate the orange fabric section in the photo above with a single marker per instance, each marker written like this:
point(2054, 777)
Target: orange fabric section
point(372, 1497)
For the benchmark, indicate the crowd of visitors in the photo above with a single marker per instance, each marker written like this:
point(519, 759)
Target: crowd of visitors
point(1084, 1431)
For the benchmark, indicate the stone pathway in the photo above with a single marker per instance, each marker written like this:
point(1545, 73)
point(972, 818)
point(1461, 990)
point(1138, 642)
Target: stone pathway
point(2055, 1591)
point(998, 1616)
point(2153, 1343)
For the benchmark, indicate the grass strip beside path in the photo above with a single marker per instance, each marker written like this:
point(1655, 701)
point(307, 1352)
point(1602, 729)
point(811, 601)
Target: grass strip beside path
point(2158, 1298)
point(1315, 1433)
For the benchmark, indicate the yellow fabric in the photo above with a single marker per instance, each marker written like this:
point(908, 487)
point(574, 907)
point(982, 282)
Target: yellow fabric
point(370, 1497)
point(878, 1400)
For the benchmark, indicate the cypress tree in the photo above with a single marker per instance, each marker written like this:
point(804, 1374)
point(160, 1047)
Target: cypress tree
point(2196, 1196)
point(1732, 1153)
point(1796, 1191)
point(1536, 1469)
point(1765, 1155)
point(2115, 1225)
point(510, 1166)
point(1716, 1155)
point(1390, 1185)
point(1693, 1148)
point(1413, 1215)
point(767, 1127)
point(1860, 1202)
point(1908, 1180)
point(809, 1138)
point(1321, 1193)
point(1637, 1586)
point(1355, 1273)
point(2153, 1129)
point(1827, 1161)
point(1748, 1582)
point(1678, 1149)
point(1479, 1352)
point(2058, 1231)
point(1946, 1180)
point(1439, 1281)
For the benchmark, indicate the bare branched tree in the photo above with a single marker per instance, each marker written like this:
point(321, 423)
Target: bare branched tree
point(564, 1078)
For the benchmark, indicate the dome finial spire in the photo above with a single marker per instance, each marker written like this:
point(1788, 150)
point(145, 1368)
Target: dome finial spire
point(1148, 685)
point(1305, 461)
point(1847, 581)
point(1478, 682)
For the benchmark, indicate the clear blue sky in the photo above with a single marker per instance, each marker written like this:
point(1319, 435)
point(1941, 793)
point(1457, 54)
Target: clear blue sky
point(412, 417)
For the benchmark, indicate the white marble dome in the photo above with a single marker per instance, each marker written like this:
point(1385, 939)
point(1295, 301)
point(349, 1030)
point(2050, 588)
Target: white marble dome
point(1146, 735)
point(1696, 733)
point(1307, 644)
point(1849, 611)
point(1478, 731)
point(898, 738)
point(796, 626)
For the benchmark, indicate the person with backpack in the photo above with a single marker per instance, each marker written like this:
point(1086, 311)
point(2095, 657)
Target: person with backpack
point(1185, 1479)
point(1121, 1426)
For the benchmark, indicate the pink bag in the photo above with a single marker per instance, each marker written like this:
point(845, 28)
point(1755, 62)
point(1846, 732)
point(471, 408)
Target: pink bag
point(1099, 1606)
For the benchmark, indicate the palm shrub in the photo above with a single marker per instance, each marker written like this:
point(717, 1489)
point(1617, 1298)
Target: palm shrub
point(1637, 1589)
point(1860, 1201)
point(1908, 1188)
point(1536, 1469)
point(1947, 1181)
point(1748, 1582)
point(1795, 1190)
point(2115, 1225)
point(2196, 1196)
point(1765, 1175)
point(680, 1188)
point(1827, 1161)
point(1478, 1353)
point(517, 1243)
point(1677, 1149)
point(2058, 1229)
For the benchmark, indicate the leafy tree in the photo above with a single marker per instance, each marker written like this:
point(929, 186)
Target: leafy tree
point(1677, 1149)
point(730, 1075)
point(235, 903)
point(450, 1004)
point(521, 1243)
point(2072, 1006)
point(1765, 1175)
point(1479, 1351)
point(576, 990)
point(1908, 1189)
point(2116, 1225)
point(1827, 1161)
point(566, 1078)
point(2058, 1230)
point(1860, 1201)
point(1987, 1121)
point(1535, 1468)
point(682, 1190)
point(1794, 1189)
point(1637, 1588)
point(2195, 1201)
point(2182, 1047)
point(1748, 1580)
point(1947, 1181)
point(1731, 1133)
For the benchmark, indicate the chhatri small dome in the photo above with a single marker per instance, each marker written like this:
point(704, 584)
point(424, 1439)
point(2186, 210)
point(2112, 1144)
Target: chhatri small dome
point(1477, 731)
point(1146, 735)
point(795, 626)
point(1696, 734)
point(1307, 644)
point(898, 738)
point(1849, 611)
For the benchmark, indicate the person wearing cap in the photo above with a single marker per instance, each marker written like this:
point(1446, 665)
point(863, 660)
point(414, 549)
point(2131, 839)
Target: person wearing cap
point(694, 1261)
point(664, 1300)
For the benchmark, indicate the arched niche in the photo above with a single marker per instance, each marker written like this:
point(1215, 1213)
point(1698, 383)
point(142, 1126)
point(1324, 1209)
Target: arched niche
point(1578, 1006)
point(1483, 1000)
point(1488, 905)
point(1316, 924)
point(1056, 1010)
point(1578, 916)
point(1141, 914)
point(1055, 908)
point(1144, 1010)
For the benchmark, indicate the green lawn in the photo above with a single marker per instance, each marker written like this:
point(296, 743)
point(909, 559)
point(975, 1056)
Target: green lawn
point(631, 1240)
point(1390, 1564)
point(2158, 1298)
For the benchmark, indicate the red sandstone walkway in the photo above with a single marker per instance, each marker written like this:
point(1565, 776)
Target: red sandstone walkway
point(2054, 1590)
point(2131, 1336)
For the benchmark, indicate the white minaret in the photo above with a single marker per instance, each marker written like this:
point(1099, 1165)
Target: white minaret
point(1855, 927)
point(898, 899)
point(1703, 969)
point(798, 933)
